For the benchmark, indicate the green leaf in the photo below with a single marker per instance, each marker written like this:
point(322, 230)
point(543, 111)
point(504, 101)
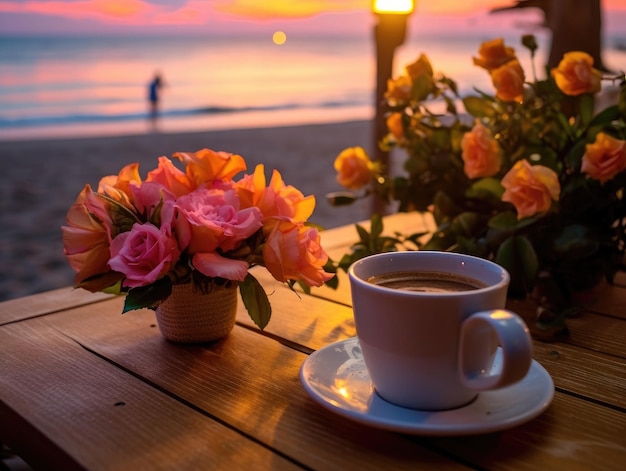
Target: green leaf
point(575, 242)
point(489, 186)
point(114, 289)
point(621, 101)
point(586, 108)
point(470, 246)
point(504, 221)
point(445, 207)
point(363, 234)
point(376, 228)
point(518, 257)
point(440, 138)
point(148, 296)
point(255, 300)
point(467, 223)
point(606, 116)
point(478, 107)
point(574, 157)
point(443, 239)
point(333, 282)
point(123, 217)
point(421, 88)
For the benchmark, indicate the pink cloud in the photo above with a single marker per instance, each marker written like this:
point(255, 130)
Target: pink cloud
point(89, 9)
point(137, 12)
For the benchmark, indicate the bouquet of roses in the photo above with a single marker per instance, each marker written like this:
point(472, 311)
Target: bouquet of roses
point(532, 176)
point(196, 225)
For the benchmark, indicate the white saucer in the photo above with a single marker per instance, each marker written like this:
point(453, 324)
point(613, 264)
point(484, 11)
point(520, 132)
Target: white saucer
point(336, 377)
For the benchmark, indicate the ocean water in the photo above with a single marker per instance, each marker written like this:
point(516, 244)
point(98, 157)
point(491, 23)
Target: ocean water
point(68, 86)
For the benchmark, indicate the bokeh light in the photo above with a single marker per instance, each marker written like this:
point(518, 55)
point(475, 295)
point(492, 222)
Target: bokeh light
point(279, 38)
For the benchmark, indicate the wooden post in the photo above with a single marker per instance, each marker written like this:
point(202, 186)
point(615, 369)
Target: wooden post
point(389, 33)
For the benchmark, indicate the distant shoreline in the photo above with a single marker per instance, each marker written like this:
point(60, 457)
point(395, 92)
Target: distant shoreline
point(192, 123)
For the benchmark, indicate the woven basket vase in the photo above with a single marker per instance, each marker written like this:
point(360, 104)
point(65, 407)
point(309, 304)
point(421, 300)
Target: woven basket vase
point(190, 316)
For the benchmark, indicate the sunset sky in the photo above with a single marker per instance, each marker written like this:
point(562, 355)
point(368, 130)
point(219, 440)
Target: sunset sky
point(241, 16)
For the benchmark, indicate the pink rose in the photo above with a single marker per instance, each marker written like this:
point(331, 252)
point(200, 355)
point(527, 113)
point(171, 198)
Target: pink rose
point(481, 152)
point(144, 254)
point(530, 188)
point(152, 196)
point(214, 265)
point(210, 218)
point(605, 158)
point(294, 252)
point(86, 240)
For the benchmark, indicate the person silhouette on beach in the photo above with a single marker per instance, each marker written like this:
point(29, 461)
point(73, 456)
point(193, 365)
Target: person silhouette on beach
point(154, 90)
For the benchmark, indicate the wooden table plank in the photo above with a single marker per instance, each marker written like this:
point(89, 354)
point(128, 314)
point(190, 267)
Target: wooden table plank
point(589, 330)
point(214, 379)
point(249, 381)
point(584, 373)
point(85, 412)
point(44, 303)
point(571, 435)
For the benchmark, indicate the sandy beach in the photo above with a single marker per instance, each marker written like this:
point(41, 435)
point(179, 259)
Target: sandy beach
point(41, 178)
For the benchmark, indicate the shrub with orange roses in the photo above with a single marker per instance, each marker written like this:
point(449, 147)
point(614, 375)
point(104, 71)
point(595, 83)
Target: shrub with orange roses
point(530, 176)
point(193, 225)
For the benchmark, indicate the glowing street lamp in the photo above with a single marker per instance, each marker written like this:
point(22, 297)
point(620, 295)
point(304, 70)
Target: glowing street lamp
point(389, 33)
point(393, 6)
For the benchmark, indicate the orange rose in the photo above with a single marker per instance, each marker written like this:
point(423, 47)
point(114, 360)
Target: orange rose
point(394, 124)
point(575, 74)
point(530, 188)
point(494, 54)
point(86, 242)
point(277, 200)
point(294, 252)
point(118, 186)
point(399, 89)
point(354, 167)
point(605, 158)
point(174, 180)
point(206, 165)
point(481, 152)
point(508, 81)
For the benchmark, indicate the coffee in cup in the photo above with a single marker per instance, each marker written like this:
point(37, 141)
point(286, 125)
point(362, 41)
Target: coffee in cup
point(426, 281)
point(430, 325)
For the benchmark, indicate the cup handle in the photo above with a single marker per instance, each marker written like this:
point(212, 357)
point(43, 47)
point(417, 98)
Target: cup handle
point(480, 335)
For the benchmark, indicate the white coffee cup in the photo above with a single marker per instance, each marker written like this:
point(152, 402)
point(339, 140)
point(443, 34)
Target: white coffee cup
point(436, 350)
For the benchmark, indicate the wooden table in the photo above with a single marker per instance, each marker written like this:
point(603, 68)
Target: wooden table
point(82, 386)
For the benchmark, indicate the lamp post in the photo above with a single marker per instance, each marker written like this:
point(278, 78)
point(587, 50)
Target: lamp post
point(389, 33)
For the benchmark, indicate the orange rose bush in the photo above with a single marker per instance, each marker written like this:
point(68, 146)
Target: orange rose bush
point(531, 175)
point(195, 225)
